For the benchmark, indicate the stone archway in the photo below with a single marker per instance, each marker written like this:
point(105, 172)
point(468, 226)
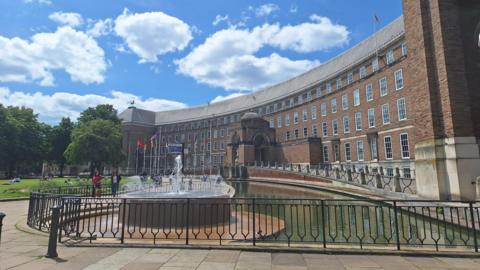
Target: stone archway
point(261, 144)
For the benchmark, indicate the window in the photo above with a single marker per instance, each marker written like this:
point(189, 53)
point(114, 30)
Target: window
point(390, 57)
point(335, 126)
point(305, 132)
point(328, 87)
point(319, 92)
point(371, 118)
point(336, 152)
point(402, 110)
point(398, 79)
point(296, 133)
point(407, 173)
point(339, 83)
point(387, 141)
point(389, 171)
point(373, 147)
point(350, 78)
point(348, 152)
point(325, 129)
point(270, 121)
point(386, 114)
point(375, 65)
point(358, 121)
point(323, 109)
point(300, 99)
point(346, 124)
point(334, 105)
point(313, 110)
point(279, 121)
point(287, 120)
point(287, 135)
point(325, 153)
point(404, 145)
point(344, 102)
point(305, 115)
point(360, 152)
point(362, 72)
point(309, 96)
point(314, 130)
point(356, 97)
point(295, 117)
point(404, 49)
point(383, 86)
point(369, 92)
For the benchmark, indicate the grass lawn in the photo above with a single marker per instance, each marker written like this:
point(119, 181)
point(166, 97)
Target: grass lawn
point(25, 186)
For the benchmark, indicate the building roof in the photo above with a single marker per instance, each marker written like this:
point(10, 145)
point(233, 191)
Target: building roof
point(300, 83)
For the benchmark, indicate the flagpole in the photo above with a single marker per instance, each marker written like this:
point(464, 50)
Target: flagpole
point(210, 148)
point(136, 159)
point(375, 21)
point(144, 156)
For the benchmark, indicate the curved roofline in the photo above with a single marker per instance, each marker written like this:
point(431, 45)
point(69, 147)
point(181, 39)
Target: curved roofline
point(324, 72)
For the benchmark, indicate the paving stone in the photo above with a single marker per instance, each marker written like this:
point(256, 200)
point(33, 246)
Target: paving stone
point(227, 256)
point(141, 266)
point(357, 261)
point(288, 259)
point(216, 266)
point(464, 263)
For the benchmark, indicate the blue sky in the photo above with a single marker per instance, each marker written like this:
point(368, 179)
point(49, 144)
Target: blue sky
point(60, 57)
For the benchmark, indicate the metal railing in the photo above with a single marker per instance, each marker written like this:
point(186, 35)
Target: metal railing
point(2, 215)
point(268, 222)
point(359, 175)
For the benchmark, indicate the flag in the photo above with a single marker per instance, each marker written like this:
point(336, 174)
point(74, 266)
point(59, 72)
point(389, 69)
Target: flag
point(154, 136)
point(140, 144)
point(376, 18)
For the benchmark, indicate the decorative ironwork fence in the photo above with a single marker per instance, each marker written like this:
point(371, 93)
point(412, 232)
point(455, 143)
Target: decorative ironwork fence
point(439, 225)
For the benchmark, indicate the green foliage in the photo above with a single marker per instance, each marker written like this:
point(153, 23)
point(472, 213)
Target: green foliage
point(96, 141)
point(103, 111)
point(59, 140)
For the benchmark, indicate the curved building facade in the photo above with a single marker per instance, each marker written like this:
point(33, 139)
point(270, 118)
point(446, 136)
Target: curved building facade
point(403, 98)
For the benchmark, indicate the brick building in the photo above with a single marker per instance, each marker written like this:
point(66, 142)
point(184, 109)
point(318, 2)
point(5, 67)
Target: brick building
point(406, 97)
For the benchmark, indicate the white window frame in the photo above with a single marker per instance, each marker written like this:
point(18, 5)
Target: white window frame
point(348, 156)
point(319, 91)
point(344, 102)
point(323, 109)
point(388, 148)
point(305, 132)
point(349, 78)
point(362, 72)
point(304, 115)
point(271, 123)
point(358, 121)
point(346, 126)
point(295, 118)
point(399, 79)
point(404, 49)
point(315, 130)
point(385, 114)
point(390, 57)
point(375, 65)
point(402, 147)
point(369, 92)
point(339, 83)
point(325, 153)
point(401, 103)
point(333, 104)
point(328, 88)
point(360, 149)
point(287, 120)
point(324, 129)
point(287, 135)
point(381, 86)
point(356, 97)
point(371, 117)
point(335, 127)
point(313, 111)
point(279, 121)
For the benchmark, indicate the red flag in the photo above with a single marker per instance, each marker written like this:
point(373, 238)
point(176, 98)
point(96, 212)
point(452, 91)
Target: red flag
point(140, 144)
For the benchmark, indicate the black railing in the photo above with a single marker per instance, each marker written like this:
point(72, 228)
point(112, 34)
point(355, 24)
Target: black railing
point(359, 175)
point(268, 222)
point(2, 215)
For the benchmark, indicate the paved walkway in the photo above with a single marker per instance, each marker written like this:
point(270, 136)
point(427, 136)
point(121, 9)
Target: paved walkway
point(21, 250)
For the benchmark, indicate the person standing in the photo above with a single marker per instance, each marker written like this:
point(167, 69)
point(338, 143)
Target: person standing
point(115, 181)
point(96, 181)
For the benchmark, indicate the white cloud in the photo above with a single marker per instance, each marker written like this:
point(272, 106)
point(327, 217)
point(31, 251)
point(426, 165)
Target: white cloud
point(320, 34)
point(152, 34)
point(41, 2)
point(100, 27)
point(266, 9)
point(51, 108)
point(66, 49)
point(219, 18)
point(293, 8)
point(67, 18)
point(222, 98)
point(227, 58)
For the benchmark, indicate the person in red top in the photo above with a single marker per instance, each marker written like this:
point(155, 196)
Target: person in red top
point(96, 181)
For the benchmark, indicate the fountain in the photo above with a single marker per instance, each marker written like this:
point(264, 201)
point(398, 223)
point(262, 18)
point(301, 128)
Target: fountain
point(163, 204)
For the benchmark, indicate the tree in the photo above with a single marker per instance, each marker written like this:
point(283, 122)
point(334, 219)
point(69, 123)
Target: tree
point(59, 140)
point(103, 111)
point(98, 142)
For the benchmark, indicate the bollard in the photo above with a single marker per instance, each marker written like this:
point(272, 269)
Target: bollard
point(2, 215)
point(52, 239)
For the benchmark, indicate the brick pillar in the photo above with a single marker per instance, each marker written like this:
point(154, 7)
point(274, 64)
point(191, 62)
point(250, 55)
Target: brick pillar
point(446, 140)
